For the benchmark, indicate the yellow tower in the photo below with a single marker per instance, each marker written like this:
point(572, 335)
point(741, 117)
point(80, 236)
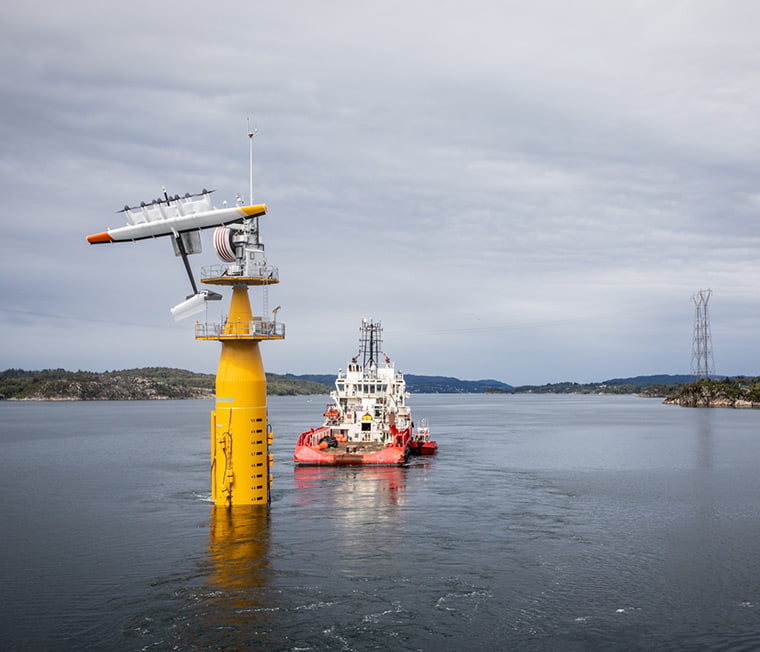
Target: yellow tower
point(240, 433)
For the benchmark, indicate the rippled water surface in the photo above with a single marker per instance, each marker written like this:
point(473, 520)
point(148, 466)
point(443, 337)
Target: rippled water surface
point(544, 523)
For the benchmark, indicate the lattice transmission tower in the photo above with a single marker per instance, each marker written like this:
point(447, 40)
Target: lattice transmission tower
point(702, 364)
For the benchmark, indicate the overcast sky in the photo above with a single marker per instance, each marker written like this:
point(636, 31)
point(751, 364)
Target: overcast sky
point(530, 192)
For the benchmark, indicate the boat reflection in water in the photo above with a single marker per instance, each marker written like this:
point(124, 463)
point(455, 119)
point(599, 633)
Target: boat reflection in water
point(352, 489)
point(270, 573)
point(357, 514)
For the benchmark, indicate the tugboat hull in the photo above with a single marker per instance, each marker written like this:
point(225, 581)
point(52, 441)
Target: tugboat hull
point(311, 451)
point(423, 448)
point(307, 456)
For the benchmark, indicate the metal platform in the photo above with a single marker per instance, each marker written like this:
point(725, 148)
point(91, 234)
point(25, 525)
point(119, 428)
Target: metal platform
point(252, 330)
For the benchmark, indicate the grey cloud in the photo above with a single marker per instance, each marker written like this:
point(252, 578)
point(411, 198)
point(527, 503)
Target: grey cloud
point(528, 192)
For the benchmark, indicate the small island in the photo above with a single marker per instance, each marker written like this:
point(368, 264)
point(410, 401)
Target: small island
point(735, 392)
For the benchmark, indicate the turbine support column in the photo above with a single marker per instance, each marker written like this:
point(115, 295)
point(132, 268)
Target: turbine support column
point(240, 462)
point(240, 433)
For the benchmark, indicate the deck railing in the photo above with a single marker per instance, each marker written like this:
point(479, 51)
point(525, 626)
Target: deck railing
point(242, 329)
point(253, 271)
point(311, 437)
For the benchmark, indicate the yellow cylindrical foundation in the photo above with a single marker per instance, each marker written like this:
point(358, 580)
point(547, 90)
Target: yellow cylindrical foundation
point(240, 457)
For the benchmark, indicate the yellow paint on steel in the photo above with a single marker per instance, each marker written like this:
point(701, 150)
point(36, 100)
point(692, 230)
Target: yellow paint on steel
point(240, 459)
point(253, 211)
point(228, 336)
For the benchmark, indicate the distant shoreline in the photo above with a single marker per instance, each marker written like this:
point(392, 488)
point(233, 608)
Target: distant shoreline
point(146, 384)
point(164, 383)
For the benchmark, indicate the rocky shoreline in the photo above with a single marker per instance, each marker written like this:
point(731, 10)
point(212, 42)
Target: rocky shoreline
point(126, 388)
point(738, 392)
point(146, 384)
point(713, 403)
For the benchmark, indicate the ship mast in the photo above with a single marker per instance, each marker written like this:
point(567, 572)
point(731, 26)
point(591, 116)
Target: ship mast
point(369, 342)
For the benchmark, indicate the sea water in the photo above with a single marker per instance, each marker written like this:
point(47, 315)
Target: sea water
point(545, 522)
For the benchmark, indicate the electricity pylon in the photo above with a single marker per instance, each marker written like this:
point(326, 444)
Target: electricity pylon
point(702, 364)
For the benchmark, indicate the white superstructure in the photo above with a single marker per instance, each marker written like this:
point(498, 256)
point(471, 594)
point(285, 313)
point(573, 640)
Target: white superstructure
point(369, 396)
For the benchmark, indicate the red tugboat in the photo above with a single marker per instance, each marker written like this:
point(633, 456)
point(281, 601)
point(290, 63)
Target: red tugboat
point(421, 443)
point(368, 421)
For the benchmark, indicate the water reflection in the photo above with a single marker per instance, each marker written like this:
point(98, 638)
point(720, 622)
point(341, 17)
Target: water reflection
point(356, 488)
point(238, 550)
point(703, 429)
point(360, 515)
point(703, 561)
point(704, 461)
point(238, 546)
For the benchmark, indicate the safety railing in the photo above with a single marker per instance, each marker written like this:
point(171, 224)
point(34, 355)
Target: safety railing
point(233, 270)
point(312, 437)
point(256, 329)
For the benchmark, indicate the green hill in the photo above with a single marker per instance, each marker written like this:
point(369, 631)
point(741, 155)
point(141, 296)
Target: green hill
point(154, 383)
point(149, 383)
point(426, 384)
point(659, 385)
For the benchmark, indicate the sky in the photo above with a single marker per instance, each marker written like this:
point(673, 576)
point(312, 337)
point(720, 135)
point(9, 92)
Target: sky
point(526, 192)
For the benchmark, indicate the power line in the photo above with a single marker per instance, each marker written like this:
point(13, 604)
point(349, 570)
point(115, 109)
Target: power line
point(92, 320)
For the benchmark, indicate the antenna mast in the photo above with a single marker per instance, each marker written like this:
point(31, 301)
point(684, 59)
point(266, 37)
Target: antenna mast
point(370, 341)
point(702, 364)
point(251, 134)
point(255, 221)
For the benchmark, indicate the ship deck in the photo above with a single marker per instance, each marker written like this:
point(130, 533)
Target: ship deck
point(356, 447)
point(349, 453)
